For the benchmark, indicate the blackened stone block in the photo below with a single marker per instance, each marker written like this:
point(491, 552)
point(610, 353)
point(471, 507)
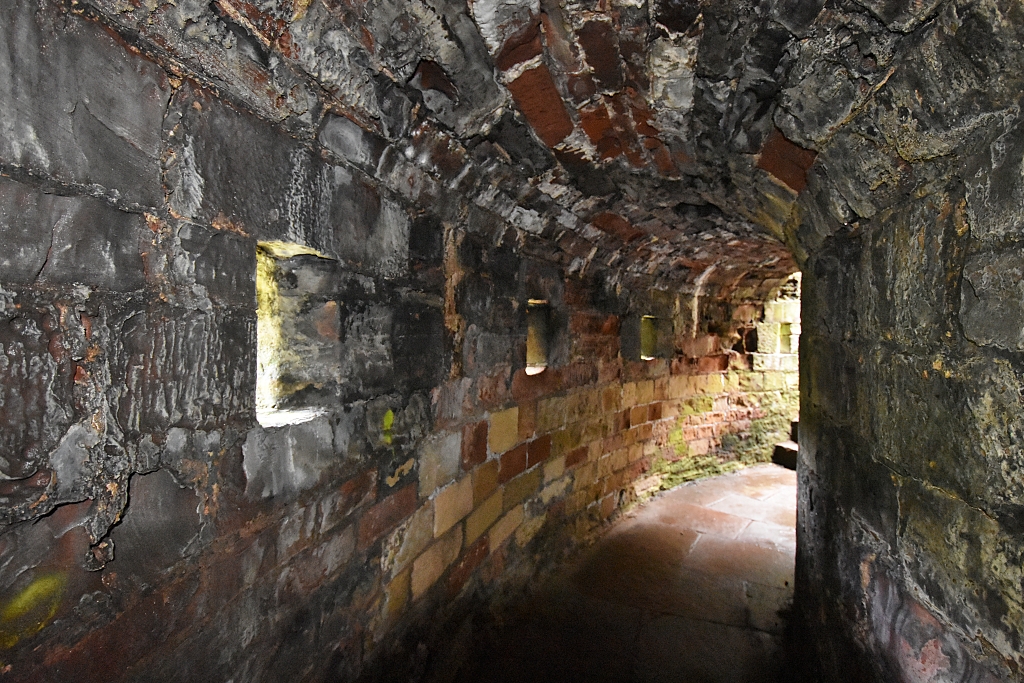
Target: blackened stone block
point(286, 460)
point(34, 388)
point(992, 303)
point(421, 346)
point(185, 368)
point(514, 137)
point(159, 527)
point(426, 253)
point(76, 106)
point(426, 241)
point(349, 141)
point(65, 240)
point(994, 193)
point(26, 228)
point(232, 167)
point(225, 264)
point(366, 228)
point(367, 364)
point(238, 172)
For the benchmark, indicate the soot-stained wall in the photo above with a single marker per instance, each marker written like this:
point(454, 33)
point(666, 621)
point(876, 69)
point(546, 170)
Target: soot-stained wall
point(909, 555)
point(154, 530)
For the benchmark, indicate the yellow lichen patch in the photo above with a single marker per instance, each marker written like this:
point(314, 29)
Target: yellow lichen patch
point(387, 424)
point(31, 609)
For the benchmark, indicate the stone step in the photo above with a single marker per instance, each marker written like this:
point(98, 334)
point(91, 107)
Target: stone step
point(785, 454)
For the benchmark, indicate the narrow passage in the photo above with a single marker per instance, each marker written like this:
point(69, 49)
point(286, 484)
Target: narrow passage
point(691, 588)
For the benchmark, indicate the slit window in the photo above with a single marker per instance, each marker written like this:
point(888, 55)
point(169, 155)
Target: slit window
point(538, 315)
point(648, 337)
point(293, 342)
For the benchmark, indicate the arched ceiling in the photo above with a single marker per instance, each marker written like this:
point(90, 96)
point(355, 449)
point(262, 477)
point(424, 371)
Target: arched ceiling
point(668, 142)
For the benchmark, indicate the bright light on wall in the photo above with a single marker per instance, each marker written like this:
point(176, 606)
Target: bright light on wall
point(537, 336)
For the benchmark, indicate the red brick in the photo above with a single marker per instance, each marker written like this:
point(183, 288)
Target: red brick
point(596, 346)
point(663, 160)
point(527, 388)
point(385, 515)
point(512, 463)
point(474, 444)
point(355, 490)
point(598, 41)
point(579, 374)
point(576, 457)
point(462, 570)
point(609, 147)
point(585, 323)
point(608, 505)
point(576, 295)
point(616, 225)
point(522, 47)
point(595, 121)
point(709, 364)
point(786, 161)
point(654, 412)
point(609, 372)
point(538, 451)
point(538, 99)
point(492, 392)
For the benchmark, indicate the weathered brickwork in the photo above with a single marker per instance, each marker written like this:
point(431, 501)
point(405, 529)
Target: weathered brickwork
point(264, 271)
point(264, 412)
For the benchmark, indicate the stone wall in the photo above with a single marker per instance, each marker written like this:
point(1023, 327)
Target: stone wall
point(909, 545)
point(153, 528)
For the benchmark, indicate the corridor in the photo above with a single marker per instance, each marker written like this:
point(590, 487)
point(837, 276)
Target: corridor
point(692, 587)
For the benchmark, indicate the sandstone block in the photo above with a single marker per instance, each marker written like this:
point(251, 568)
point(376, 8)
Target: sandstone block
point(554, 469)
point(506, 526)
point(409, 540)
point(483, 517)
point(503, 430)
point(644, 392)
point(522, 487)
point(396, 595)
point(485, 481)
point(529, 528)
point(429, 566)
point(550, 414)
point(527, 419)
point(452, 504)
point(440, 457)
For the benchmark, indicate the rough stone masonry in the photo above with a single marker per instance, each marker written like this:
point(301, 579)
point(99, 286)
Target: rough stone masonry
point(264, 279)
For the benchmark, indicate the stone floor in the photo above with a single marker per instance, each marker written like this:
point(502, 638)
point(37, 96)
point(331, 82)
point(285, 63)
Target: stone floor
point(691, 588)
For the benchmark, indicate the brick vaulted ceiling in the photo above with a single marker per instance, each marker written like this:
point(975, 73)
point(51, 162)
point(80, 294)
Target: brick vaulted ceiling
point(663, 142)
